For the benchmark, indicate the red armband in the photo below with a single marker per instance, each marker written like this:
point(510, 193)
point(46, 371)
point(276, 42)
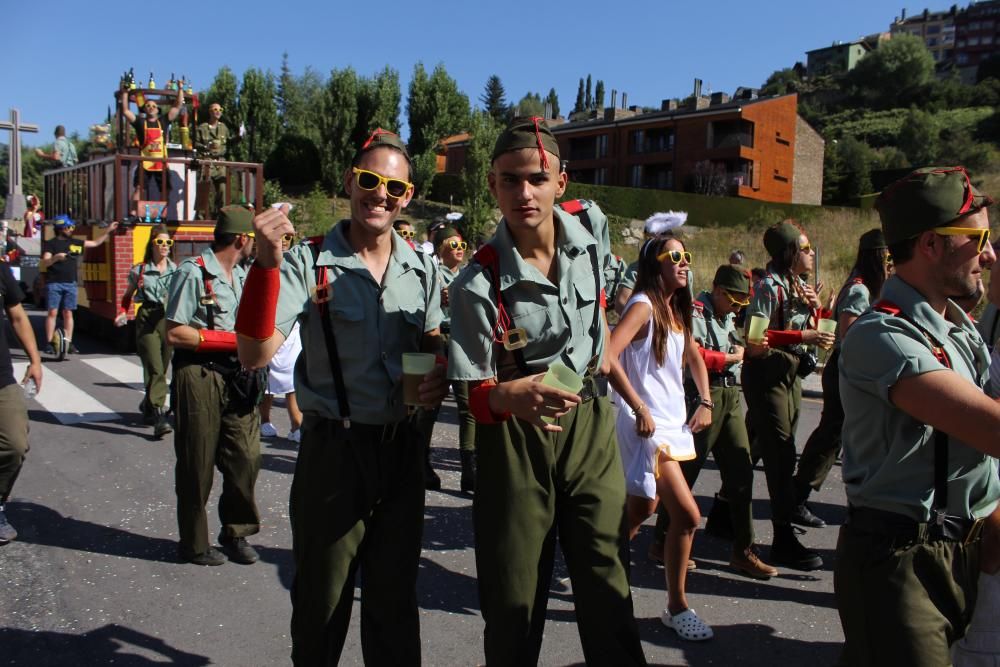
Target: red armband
point(259, 303)
point(604, 300)
point(216, 341)
point(777, 338)
point(715, 362)
point(479, 404)
point(124, 309)
point(441, 360)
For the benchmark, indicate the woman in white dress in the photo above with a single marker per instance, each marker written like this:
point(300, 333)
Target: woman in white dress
point(653, 341)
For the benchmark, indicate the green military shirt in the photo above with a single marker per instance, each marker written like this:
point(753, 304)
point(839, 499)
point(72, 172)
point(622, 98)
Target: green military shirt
point(211, 141)
point(373, 324)
point(854, 299)
point(776, 300)
point(613, 275)
point(445, 278)
point(888, 455)
point(154, 284)
point(559, 319)
point(989, 324)
point(187, 287)
point(709, 331)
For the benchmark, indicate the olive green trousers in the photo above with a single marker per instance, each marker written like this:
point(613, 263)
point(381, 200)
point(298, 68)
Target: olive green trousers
point(13, 437)
point(154, 353)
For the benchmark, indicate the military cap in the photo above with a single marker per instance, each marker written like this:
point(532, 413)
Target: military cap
point(732, 277)
point(443, 234)
point(873, 239)
point(927, 198)
point(235, 220)
point(778, 237)
point(531, 132)
point(380, 138)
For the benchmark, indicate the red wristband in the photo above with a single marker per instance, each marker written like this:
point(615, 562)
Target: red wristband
point(777, 338)
point(441, 360)
point(259, 303)
point(604, 300)
point(479, 405)
point(216, 341)
point(715, 362)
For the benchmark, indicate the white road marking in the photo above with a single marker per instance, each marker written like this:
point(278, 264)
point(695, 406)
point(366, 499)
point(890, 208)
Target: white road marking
point(120, 368)
point(68, 403)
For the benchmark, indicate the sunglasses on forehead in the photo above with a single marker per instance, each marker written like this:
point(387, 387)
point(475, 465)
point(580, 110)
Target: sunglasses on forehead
point(675, 256)
point(164, 242)
point(369, 180)
point(983, 234)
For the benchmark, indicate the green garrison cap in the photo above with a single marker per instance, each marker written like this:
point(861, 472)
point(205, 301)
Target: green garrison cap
point(733, 277)
point(380, 138)
point(778, 237)
point(531, 132)
point(927, 198)
point(873, 239)
point(443, 234)
point(234, 220)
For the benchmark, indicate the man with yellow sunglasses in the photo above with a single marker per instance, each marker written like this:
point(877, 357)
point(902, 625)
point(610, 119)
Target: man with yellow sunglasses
point(919, 434)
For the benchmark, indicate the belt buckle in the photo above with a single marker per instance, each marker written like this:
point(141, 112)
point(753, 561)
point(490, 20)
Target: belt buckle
point(975, 532)
point(588, 391)
point(321, 293)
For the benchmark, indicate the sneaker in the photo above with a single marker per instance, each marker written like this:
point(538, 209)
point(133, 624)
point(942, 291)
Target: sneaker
point(267, 430)
point(49, 350)
point(788, 551)
point(211, 557)
point(804, 517)
point(295, 436)
point(687, 625)
point(238, 550)
point(749, 563)
point(7, 532)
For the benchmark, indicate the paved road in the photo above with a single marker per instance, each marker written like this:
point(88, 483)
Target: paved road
point(93, 580)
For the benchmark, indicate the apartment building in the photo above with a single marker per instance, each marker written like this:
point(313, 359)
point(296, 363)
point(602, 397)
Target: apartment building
point(937, 29)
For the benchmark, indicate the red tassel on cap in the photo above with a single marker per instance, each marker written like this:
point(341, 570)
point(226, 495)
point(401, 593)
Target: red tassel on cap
point(538, 138)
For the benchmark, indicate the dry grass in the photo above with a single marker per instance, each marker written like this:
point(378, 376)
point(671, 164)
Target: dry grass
point(834, 233)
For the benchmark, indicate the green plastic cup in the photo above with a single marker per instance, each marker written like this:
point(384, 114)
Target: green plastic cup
point(827, 325)
point(562, 377)
point(758, 325)
point(415, 366)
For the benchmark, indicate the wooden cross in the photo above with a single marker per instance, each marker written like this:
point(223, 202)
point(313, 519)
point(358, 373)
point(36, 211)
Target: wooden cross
point(15, 207)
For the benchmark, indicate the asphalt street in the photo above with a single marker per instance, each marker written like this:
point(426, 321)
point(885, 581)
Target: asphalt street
point(93, 578)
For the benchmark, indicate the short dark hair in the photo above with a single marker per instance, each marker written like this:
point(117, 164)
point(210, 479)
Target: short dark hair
point(60, 131)
point(223, 239)
point(902, 251)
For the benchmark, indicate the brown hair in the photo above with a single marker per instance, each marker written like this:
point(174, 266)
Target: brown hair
point(668, 309)
point(153, 233)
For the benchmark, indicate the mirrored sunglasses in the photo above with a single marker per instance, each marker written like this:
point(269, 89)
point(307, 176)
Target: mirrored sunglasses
point(675, 256)
point(369, 180)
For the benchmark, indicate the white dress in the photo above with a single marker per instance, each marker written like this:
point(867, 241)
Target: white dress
point(661, 388)
point(281, 369)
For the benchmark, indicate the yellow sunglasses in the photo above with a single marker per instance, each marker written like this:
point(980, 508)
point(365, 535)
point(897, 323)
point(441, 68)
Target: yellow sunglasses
point(458, 245)
point(369, 180)
point(736, 302)
point(407, 233)
point(675, 256)
point(984, 234)
point(163, 242)
point(807, 248)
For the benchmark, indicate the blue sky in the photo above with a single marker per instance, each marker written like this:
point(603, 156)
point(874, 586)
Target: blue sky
point(69, 54)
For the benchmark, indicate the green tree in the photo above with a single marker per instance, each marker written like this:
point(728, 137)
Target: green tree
point(580, 99)
point(339, 117)
point(494, 99)
point(553, 101)
point(435, 108)
point(530, 105)
point(223, 90)
point(857, 158)
point(919, 138)
point(419, 109)
point(260, 115)
point(480, 215)
point(895, 73)
point(378, 105)
point(781, 82)
point(588, 99)
point(599, 95)
point(424, 168)
point(290, 100)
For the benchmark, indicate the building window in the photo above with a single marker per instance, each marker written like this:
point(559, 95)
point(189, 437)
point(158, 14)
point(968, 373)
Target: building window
point(932, 41)
point(933, 29)
point(987, 39)
point(601, 176)
point(780, 178)
point(960, 44)
point(974, 41)
point(654, 140)
point(962, 58)
point(635, 176)
point(602, 146)
point(974, 25)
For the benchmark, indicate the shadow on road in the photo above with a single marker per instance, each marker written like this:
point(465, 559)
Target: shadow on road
point(38, 524)
point(112, 644)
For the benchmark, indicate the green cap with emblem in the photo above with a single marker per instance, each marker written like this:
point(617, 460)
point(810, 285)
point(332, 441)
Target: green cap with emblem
point(927, 198)
point(384, 138)
point(234, 220)
point(733, 278)
point(780, 236)
point(530, 132)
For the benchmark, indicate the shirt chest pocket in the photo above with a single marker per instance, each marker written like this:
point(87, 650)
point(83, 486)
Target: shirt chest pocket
point(348, 327)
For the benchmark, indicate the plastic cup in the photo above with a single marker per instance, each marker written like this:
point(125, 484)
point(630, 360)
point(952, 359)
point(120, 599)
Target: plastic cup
point(562, 377)
point(827, 325)
point(415, 366)
point(758, 325)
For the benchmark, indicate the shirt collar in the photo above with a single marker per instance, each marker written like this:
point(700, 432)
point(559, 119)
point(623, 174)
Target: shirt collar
point(211, 262)
point(913, 304)
point(572, 240)
point(338, 251)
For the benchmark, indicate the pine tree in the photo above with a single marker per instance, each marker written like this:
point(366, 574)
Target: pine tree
point(493, 99)
point(599, 95)
point(260, 115)
point(588, 100)
point(553, 101)
point(340, 112)
point(578, 107)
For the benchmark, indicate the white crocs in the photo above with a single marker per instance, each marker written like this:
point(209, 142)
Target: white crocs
point(687, 625)
point(267, 430)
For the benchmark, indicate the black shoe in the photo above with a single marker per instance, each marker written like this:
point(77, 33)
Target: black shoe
point(211, 557)
point(7, 532)
point(788, 551)
point(802, 516)
point(161, 426)
point(49, 350)
point(148, 415)
point(468, 484)
point(720, 520)
point(432, 482)
point(238, 551)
